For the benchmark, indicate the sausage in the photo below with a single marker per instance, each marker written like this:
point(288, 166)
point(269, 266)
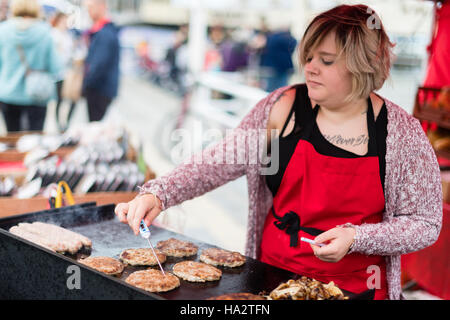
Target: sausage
point(32, 237)
point(51, 227)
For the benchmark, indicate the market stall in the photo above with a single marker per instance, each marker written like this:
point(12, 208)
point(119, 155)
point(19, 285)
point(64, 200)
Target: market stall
point(97, 163)
point(429, 268)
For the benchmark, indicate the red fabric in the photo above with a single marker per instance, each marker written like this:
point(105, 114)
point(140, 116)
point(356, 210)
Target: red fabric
point(438, 72)
point(430, 267)
point(444, 162)
point(12, 166)
point(325, 192)
point(99, 25)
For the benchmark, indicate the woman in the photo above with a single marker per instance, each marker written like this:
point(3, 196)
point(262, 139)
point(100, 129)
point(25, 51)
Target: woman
point(25, 43)
point(356, 172)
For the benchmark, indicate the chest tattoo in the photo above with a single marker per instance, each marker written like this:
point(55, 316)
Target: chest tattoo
point(355, 141)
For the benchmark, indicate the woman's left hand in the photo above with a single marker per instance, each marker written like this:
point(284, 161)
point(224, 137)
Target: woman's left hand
point(337, 243)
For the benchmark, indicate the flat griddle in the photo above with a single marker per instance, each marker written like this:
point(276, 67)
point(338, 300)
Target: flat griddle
point(29, 271)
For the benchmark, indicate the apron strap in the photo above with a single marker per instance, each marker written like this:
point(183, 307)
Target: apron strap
point(371, 128)
point(287, 120)
point(290, 223)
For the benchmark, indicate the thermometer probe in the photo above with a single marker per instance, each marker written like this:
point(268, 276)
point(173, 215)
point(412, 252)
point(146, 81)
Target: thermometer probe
point(145, 233)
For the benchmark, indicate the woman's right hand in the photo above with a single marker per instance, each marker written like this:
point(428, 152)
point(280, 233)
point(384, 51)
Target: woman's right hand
point(146, 207)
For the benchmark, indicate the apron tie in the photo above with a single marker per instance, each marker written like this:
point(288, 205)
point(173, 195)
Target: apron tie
point(290, 223)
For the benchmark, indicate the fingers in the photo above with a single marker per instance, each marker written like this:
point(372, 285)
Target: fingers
point(142, 207)
point(140, 212)
point(329, 249)
point(152, 215)
point(337, 242)
point(121, 211)
point(138, 209)
point(327, 252)
point(148, 215)
point(327, 236)
point(131, 213)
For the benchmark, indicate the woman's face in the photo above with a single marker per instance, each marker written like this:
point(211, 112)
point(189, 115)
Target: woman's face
point(328, 80)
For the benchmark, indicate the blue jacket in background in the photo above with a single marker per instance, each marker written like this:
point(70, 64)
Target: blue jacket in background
point(35, 38)
point(277, 54)
point(102, 62)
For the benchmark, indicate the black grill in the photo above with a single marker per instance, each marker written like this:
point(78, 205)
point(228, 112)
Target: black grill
point(29, 271)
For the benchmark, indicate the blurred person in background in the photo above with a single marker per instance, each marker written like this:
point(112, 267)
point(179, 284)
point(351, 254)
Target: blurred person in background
point(65, 48)
point(234, 54)
point(234, 51)
point(213, 58)
point(4, 10)
point(276, 58)
point(25, 45)
point(256, 45)
point(176, 57)
point(101, 78)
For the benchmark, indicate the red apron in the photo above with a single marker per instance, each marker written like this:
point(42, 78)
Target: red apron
point(316, 194)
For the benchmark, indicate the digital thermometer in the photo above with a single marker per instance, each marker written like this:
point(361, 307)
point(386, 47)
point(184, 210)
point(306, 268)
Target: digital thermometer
point(145, 233)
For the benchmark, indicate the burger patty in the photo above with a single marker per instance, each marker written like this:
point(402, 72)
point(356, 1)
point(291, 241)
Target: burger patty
point(153, 280)
point(220, 257)
point(177, 248)
point(142, 257)
point(110, 266)
point(196, 271)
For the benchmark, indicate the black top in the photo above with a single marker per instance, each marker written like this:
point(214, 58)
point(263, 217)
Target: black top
point(305, 116)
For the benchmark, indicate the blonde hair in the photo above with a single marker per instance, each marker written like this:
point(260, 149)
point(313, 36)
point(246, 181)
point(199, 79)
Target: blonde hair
point(25, 8)
point(360, 39)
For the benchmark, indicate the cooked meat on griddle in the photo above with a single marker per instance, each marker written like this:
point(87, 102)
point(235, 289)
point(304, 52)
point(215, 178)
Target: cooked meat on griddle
point(220, 257)
point(177, 248)
point(238, 296)
point(57, 238)
point(32, 237)
point(153, 280)
point(53, 228)
point(110, 266)
point(142, 257)
point(306, 289)
point(196, 271)
point(68, 244)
